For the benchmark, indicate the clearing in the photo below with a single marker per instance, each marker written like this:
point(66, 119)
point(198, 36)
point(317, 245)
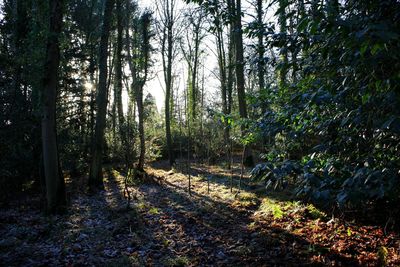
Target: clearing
point(165, 226)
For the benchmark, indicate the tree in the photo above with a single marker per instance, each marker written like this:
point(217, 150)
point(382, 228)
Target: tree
point(139, 64)
point(167, 29)
point(194, 36)
point(55, 187)
point(96, 173)
point(283, 51)
point(118, 70)
point(225, 67)
point(260, 45)
point(239, 70)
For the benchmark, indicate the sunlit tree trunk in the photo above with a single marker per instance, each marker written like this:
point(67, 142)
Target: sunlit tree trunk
point(96, 173)
point(167, 9)
point(224, 71)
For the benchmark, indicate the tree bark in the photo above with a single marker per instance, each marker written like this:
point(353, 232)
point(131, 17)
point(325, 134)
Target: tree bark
point(145, 55)
point(167, 57)
point(260, 46)
point(118, 70)
point(96, 173)
point(283, 52)
point(55, 186)
point(194, 87)
point(223, 72)
point(240, 75)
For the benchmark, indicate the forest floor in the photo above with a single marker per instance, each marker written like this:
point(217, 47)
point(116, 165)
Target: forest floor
point(165, 226)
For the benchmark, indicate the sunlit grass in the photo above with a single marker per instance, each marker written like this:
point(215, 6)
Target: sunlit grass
point(177, 261)
point(279, 209)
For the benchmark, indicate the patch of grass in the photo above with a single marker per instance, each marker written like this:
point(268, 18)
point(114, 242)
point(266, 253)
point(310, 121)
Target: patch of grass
point(178, 261)
point(222, 193)
point(277, 212)
point(315, 213)
point(246, 196)
point(278, 209)
point(251, 226)
point(153, 211)
point(270, 207)
point(246, 199)
point(141, 206)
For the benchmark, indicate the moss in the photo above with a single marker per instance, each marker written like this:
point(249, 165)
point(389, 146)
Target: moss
point(246, 199)
point(178, 261)
point(153, 211)
point(270, 207)
point(315, 213)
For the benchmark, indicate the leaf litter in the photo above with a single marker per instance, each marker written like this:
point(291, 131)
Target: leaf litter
point(165, 226)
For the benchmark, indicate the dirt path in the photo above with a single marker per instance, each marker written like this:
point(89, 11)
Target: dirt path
point(165, 226)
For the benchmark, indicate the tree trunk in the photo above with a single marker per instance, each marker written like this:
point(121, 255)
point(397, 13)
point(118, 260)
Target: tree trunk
point(223, 71)
point(118, 70)
point(139, 103)
point(96, 173)
point(145, 54)
point(168, 88)
point(240, 76)
point(260, 47)
point(55, 186)
point(194, 87)
point(283, 52)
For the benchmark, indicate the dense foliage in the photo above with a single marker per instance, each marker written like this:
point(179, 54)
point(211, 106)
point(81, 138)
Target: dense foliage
point(335, 125)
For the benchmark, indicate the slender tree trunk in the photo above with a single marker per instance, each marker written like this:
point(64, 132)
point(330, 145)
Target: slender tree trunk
point(118, 70)
point(168, 88)
point(224, 83)
point(260, 47)
point(240, 82)
point(96, 173)
point(55, 186)
point(283, 53)
point(139, 103)
point(231, 58)
point(145, 54)
point(194, 87)
point(201, 111)
point(240, 62)
point(16, 50)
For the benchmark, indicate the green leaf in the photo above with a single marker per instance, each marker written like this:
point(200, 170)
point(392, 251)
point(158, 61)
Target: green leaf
point(349, 233)
point(302, 25)
point(376, 48)
point(364, 48)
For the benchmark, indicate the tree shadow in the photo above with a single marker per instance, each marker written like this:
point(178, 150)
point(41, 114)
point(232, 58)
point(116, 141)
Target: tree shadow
point(219, 234)
point(164, 226)
point(99, 229)
point(213, 173)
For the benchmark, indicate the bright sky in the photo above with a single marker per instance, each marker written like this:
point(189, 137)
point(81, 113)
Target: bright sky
point(1, 9)
point(156, 85)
